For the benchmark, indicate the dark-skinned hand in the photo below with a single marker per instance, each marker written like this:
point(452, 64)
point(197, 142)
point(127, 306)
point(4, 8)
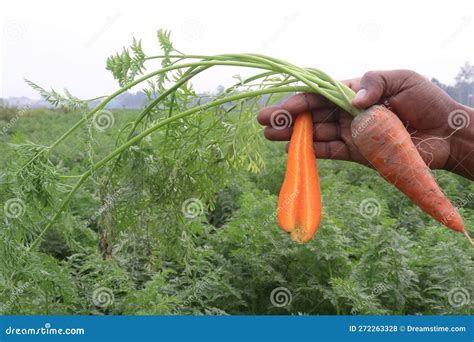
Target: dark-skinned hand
point(439, 126)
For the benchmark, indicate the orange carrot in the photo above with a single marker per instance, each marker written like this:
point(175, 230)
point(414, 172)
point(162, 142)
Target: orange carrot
point(299, 203)
point(382, 139)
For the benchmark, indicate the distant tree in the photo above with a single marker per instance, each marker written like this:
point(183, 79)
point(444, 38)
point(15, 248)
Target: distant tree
point(465, 84)
point(463, 89)
point(466, 74)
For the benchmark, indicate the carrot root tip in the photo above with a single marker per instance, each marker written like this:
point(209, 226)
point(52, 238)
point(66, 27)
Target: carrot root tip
point(298, 235)
point(466, 234)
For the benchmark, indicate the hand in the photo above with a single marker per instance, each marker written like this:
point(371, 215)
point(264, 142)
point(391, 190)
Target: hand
point(433, 119)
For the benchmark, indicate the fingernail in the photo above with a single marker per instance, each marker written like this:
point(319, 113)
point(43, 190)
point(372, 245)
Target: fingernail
point(360, 95)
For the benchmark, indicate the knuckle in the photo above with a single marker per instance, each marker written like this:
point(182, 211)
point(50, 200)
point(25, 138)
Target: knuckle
point(410, 73)
point(372, 80)
point(370, 76)
point(407, 74)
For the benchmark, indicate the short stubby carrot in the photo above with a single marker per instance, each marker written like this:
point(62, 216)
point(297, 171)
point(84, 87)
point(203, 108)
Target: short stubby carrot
point(382, 139)
point(299, 203)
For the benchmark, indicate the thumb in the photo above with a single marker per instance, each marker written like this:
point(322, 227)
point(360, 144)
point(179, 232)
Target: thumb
point(371, 89)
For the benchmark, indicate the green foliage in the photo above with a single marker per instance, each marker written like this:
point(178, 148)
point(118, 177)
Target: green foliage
point(125, 66)
point(66, 101)
point(231, 256)
point(183, 221)
point(7, 113)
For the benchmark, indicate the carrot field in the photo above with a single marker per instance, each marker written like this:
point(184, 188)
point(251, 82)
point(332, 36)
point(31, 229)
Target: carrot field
point(283, 171)
point(186, 224)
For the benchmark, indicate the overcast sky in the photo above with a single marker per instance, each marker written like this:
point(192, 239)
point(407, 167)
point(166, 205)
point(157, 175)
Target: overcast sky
point(65, 43)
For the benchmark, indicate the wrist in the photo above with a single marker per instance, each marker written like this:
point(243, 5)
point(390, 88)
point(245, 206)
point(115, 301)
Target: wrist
point(461, 123)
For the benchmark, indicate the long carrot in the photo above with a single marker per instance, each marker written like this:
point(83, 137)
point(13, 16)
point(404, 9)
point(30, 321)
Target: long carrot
point(382, 139)
point(299, 203)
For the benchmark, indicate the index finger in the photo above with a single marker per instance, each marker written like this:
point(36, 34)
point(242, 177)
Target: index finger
point(353, 83)
point(294, 105)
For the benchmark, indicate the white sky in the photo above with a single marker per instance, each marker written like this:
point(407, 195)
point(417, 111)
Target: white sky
point(65, 43)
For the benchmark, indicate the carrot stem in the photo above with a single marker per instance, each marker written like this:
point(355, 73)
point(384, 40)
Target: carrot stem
point(147, 132)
